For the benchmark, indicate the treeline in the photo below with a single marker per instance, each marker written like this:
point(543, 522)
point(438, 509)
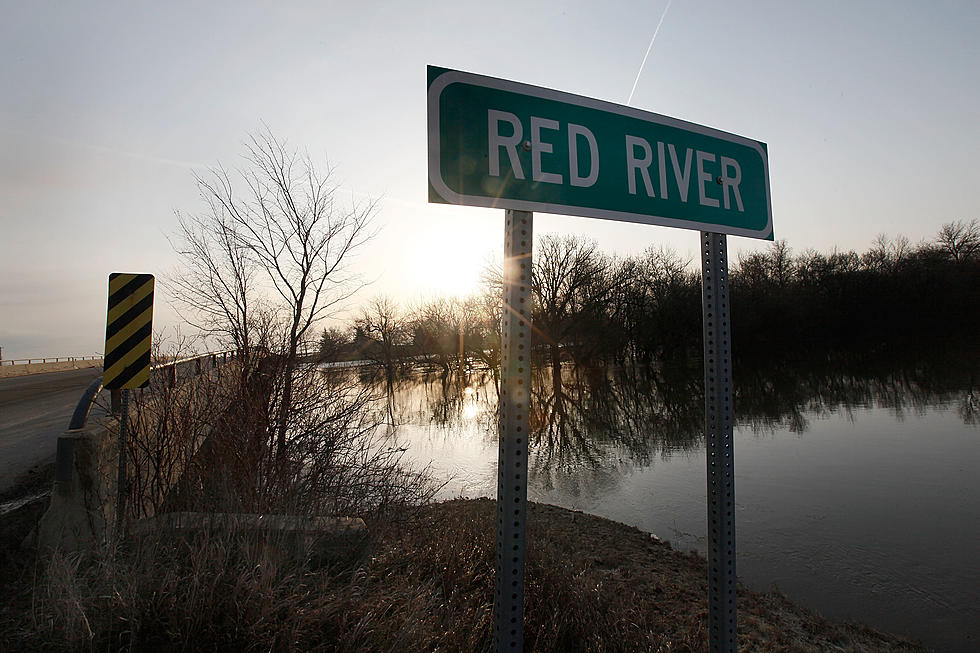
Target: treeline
point(895, 293)
point(590, 307)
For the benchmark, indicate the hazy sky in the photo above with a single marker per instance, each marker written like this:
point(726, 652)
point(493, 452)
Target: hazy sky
point(871, 111)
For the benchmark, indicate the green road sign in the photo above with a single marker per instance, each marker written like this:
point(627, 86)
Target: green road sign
point(501, 144)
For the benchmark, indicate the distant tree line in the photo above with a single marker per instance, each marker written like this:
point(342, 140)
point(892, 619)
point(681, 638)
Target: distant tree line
point(590, 307)
point(893, 294)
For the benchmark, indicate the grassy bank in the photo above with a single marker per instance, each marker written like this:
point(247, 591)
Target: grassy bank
point(592, 584)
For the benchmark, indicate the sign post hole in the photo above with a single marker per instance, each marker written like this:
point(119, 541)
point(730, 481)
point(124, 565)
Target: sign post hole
point(515, 394)
point(722, 623)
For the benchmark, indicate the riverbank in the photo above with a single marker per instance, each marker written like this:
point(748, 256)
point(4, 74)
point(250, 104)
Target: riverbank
point(592, 584)
point(595, 584)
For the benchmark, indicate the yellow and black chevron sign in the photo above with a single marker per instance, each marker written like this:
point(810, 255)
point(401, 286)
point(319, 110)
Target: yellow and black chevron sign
point(129, 326)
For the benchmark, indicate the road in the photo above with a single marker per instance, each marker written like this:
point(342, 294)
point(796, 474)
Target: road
point(34, 411)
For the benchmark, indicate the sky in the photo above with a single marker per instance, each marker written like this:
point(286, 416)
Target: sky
point(871, 113)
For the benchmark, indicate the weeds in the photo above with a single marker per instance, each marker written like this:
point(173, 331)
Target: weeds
point(592, 585)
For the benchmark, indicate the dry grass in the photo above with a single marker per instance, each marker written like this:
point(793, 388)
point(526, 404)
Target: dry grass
point(592, 585)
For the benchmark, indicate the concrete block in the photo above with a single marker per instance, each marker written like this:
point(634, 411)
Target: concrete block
point(339, 542)
point(82, 508)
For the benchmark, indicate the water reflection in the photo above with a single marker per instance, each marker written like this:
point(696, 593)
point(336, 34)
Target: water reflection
point(615, 415)
point(612, 415)
point(446, 402)
point(787, 396)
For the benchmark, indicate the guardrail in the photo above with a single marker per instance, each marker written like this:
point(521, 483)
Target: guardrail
point(197, 364)
point(48, 359)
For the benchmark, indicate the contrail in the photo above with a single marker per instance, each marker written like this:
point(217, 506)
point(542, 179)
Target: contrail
point(649, 47)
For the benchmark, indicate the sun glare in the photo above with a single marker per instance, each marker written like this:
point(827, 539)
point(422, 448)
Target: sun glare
point(448, 267)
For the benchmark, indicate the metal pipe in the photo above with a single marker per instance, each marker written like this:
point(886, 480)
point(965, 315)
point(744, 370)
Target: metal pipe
point(515, 383)
point(718, 431)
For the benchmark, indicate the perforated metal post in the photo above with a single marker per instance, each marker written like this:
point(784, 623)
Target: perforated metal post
point(121, 471)
point(515, 380)
point(722, 623)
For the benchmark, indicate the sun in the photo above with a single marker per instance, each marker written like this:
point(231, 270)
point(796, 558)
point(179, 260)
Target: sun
point(448, 265)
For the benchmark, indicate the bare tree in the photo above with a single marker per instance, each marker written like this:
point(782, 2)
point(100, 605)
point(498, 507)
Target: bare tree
point(780, 259)
point(265, 261)
point(961, 240)
point(885, 254)
point(487, 306)
point(334, 342)
point(571, 285)
point(446, 328)
point(772, 267)
point(876, 257)
point(383, 323)
point(435, 328)
point(275, 225)
point(901, 249)
point(751, 270)
point(662, 284)
point(214, 289)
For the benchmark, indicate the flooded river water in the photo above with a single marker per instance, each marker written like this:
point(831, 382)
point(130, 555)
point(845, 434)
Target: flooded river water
point(857, 493)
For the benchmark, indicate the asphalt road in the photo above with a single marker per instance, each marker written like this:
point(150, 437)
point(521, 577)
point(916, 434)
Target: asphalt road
point(34, 411)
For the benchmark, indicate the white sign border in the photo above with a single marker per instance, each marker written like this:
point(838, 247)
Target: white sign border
point(452, 197)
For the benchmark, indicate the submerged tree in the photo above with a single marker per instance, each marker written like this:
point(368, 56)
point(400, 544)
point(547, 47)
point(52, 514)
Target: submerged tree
point(436, 327)
point(663, 304)
point(386, 329)
point(334, 343)
point(571, 284)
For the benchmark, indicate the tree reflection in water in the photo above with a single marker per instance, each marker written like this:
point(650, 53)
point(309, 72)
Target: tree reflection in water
point(784, 396)
point(625, 415)
point(605, 415)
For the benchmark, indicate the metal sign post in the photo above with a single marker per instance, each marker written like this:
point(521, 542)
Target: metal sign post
point(722, 628)
point(515, 382)
point(121, 476)
point(502, 144)
point(128, 336)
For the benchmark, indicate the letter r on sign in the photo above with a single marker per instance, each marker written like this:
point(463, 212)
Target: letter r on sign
point(509, 143)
